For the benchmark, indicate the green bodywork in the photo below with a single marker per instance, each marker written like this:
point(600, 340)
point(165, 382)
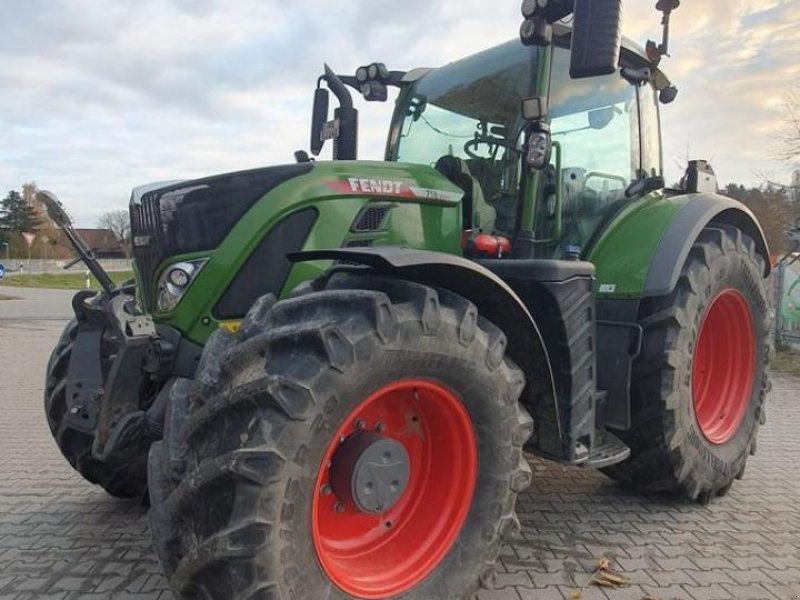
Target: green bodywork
point(432, 224)
point(622, 254)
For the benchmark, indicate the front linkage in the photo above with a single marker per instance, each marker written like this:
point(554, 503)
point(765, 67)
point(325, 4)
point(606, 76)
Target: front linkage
point(109, 377)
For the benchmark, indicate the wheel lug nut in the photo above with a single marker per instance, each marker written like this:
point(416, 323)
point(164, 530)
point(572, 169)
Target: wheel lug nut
point(326, 490)
point(339, 507)
point(380, 427)
point(361, 424)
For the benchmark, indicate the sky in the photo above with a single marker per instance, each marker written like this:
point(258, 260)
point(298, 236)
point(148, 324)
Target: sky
point(99, 96)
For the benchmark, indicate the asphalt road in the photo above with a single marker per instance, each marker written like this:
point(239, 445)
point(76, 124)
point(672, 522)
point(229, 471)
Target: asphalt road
point(63, 538)
point(34, 305)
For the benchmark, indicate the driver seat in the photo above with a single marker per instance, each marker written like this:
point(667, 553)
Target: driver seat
point(477, 212)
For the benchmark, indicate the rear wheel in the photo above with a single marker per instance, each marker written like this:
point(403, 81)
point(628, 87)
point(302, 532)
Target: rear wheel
point(123, 480)
point(699, 387)
point(364, 440)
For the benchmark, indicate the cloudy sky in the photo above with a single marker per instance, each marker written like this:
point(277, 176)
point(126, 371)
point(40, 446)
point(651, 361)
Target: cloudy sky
point(101, 95)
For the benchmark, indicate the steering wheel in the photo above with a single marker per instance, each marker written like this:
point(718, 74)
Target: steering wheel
point(470, 148)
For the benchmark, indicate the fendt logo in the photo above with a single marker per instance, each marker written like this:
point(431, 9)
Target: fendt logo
point(375, 186)
point(392, 187)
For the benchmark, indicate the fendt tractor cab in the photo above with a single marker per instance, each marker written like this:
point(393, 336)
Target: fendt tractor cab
point(325, 373)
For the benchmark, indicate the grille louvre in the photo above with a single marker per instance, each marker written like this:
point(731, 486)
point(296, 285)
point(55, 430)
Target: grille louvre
point(355, 244)
point(360, 244)
point(146, 222)
point(372, 218)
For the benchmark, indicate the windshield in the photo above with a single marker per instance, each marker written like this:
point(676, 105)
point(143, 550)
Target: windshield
point(465, 120)
point(477, 97)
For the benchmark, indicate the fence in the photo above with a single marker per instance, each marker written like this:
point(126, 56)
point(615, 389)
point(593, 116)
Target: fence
point(787, 301)
point(39, 265)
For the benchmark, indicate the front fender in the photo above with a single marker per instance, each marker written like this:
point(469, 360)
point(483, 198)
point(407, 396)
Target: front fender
point(495, 300)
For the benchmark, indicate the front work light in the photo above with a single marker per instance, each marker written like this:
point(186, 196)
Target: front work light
point(175, 281)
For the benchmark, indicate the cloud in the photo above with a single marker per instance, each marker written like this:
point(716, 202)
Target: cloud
point(102, 96)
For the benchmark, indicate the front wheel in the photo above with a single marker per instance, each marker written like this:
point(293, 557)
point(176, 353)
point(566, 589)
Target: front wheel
point(364, 441)
point(699, 387)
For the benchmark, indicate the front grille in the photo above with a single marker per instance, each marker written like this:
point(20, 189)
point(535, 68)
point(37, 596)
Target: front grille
point(372, 218)
point(146, 227)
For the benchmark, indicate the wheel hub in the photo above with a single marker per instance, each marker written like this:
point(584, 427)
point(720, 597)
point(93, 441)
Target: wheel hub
point(370, 471)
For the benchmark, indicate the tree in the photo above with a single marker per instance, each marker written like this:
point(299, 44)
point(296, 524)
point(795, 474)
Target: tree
point(16, 215)
point(772, 206)
point(790, 139)
point(119, 222)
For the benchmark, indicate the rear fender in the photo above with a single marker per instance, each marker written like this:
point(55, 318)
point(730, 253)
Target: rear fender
point(497, 302)
point(677, 240)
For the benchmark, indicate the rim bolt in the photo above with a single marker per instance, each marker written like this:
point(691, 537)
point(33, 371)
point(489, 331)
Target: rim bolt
point(361, 424)
point(339, 507)
point(380, 427)
point(326, 490)
point(341, 439)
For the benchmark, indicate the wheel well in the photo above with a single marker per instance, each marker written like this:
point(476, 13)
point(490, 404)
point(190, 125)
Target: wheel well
point(495, 301)
point(748, 225)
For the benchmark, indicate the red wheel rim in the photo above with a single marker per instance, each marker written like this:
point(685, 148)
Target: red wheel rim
point(380, 556)
point(723, 368)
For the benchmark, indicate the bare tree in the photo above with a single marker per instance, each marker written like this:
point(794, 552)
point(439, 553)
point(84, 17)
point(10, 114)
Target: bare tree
point(790, 138)
point(119, 222)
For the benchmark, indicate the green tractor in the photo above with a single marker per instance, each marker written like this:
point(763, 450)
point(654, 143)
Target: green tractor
point(326, 374)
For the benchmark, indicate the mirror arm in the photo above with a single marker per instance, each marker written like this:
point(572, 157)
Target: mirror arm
point(338, 88)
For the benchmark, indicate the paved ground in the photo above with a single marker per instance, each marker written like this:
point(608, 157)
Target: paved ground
point(62, 538)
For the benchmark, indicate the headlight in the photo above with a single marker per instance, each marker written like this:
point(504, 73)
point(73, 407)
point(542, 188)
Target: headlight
point(175, 281)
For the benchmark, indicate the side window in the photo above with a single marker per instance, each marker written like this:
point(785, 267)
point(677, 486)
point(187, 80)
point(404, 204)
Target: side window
point(651, 131)
point(596, 124)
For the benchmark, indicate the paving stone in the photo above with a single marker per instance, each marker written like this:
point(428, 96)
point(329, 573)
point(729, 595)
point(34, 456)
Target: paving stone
point(64, 539)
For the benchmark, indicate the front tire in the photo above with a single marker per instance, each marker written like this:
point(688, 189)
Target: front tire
point(258, 512)
point(699, 386)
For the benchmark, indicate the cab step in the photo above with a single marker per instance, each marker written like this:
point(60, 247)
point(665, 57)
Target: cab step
point(608, 450)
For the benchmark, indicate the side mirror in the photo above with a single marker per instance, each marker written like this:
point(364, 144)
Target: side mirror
point(318, 119)
point(596, 38)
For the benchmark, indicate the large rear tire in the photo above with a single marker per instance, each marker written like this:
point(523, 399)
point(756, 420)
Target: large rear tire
point(699, 386)
point(125, 480)
point(269, 499)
